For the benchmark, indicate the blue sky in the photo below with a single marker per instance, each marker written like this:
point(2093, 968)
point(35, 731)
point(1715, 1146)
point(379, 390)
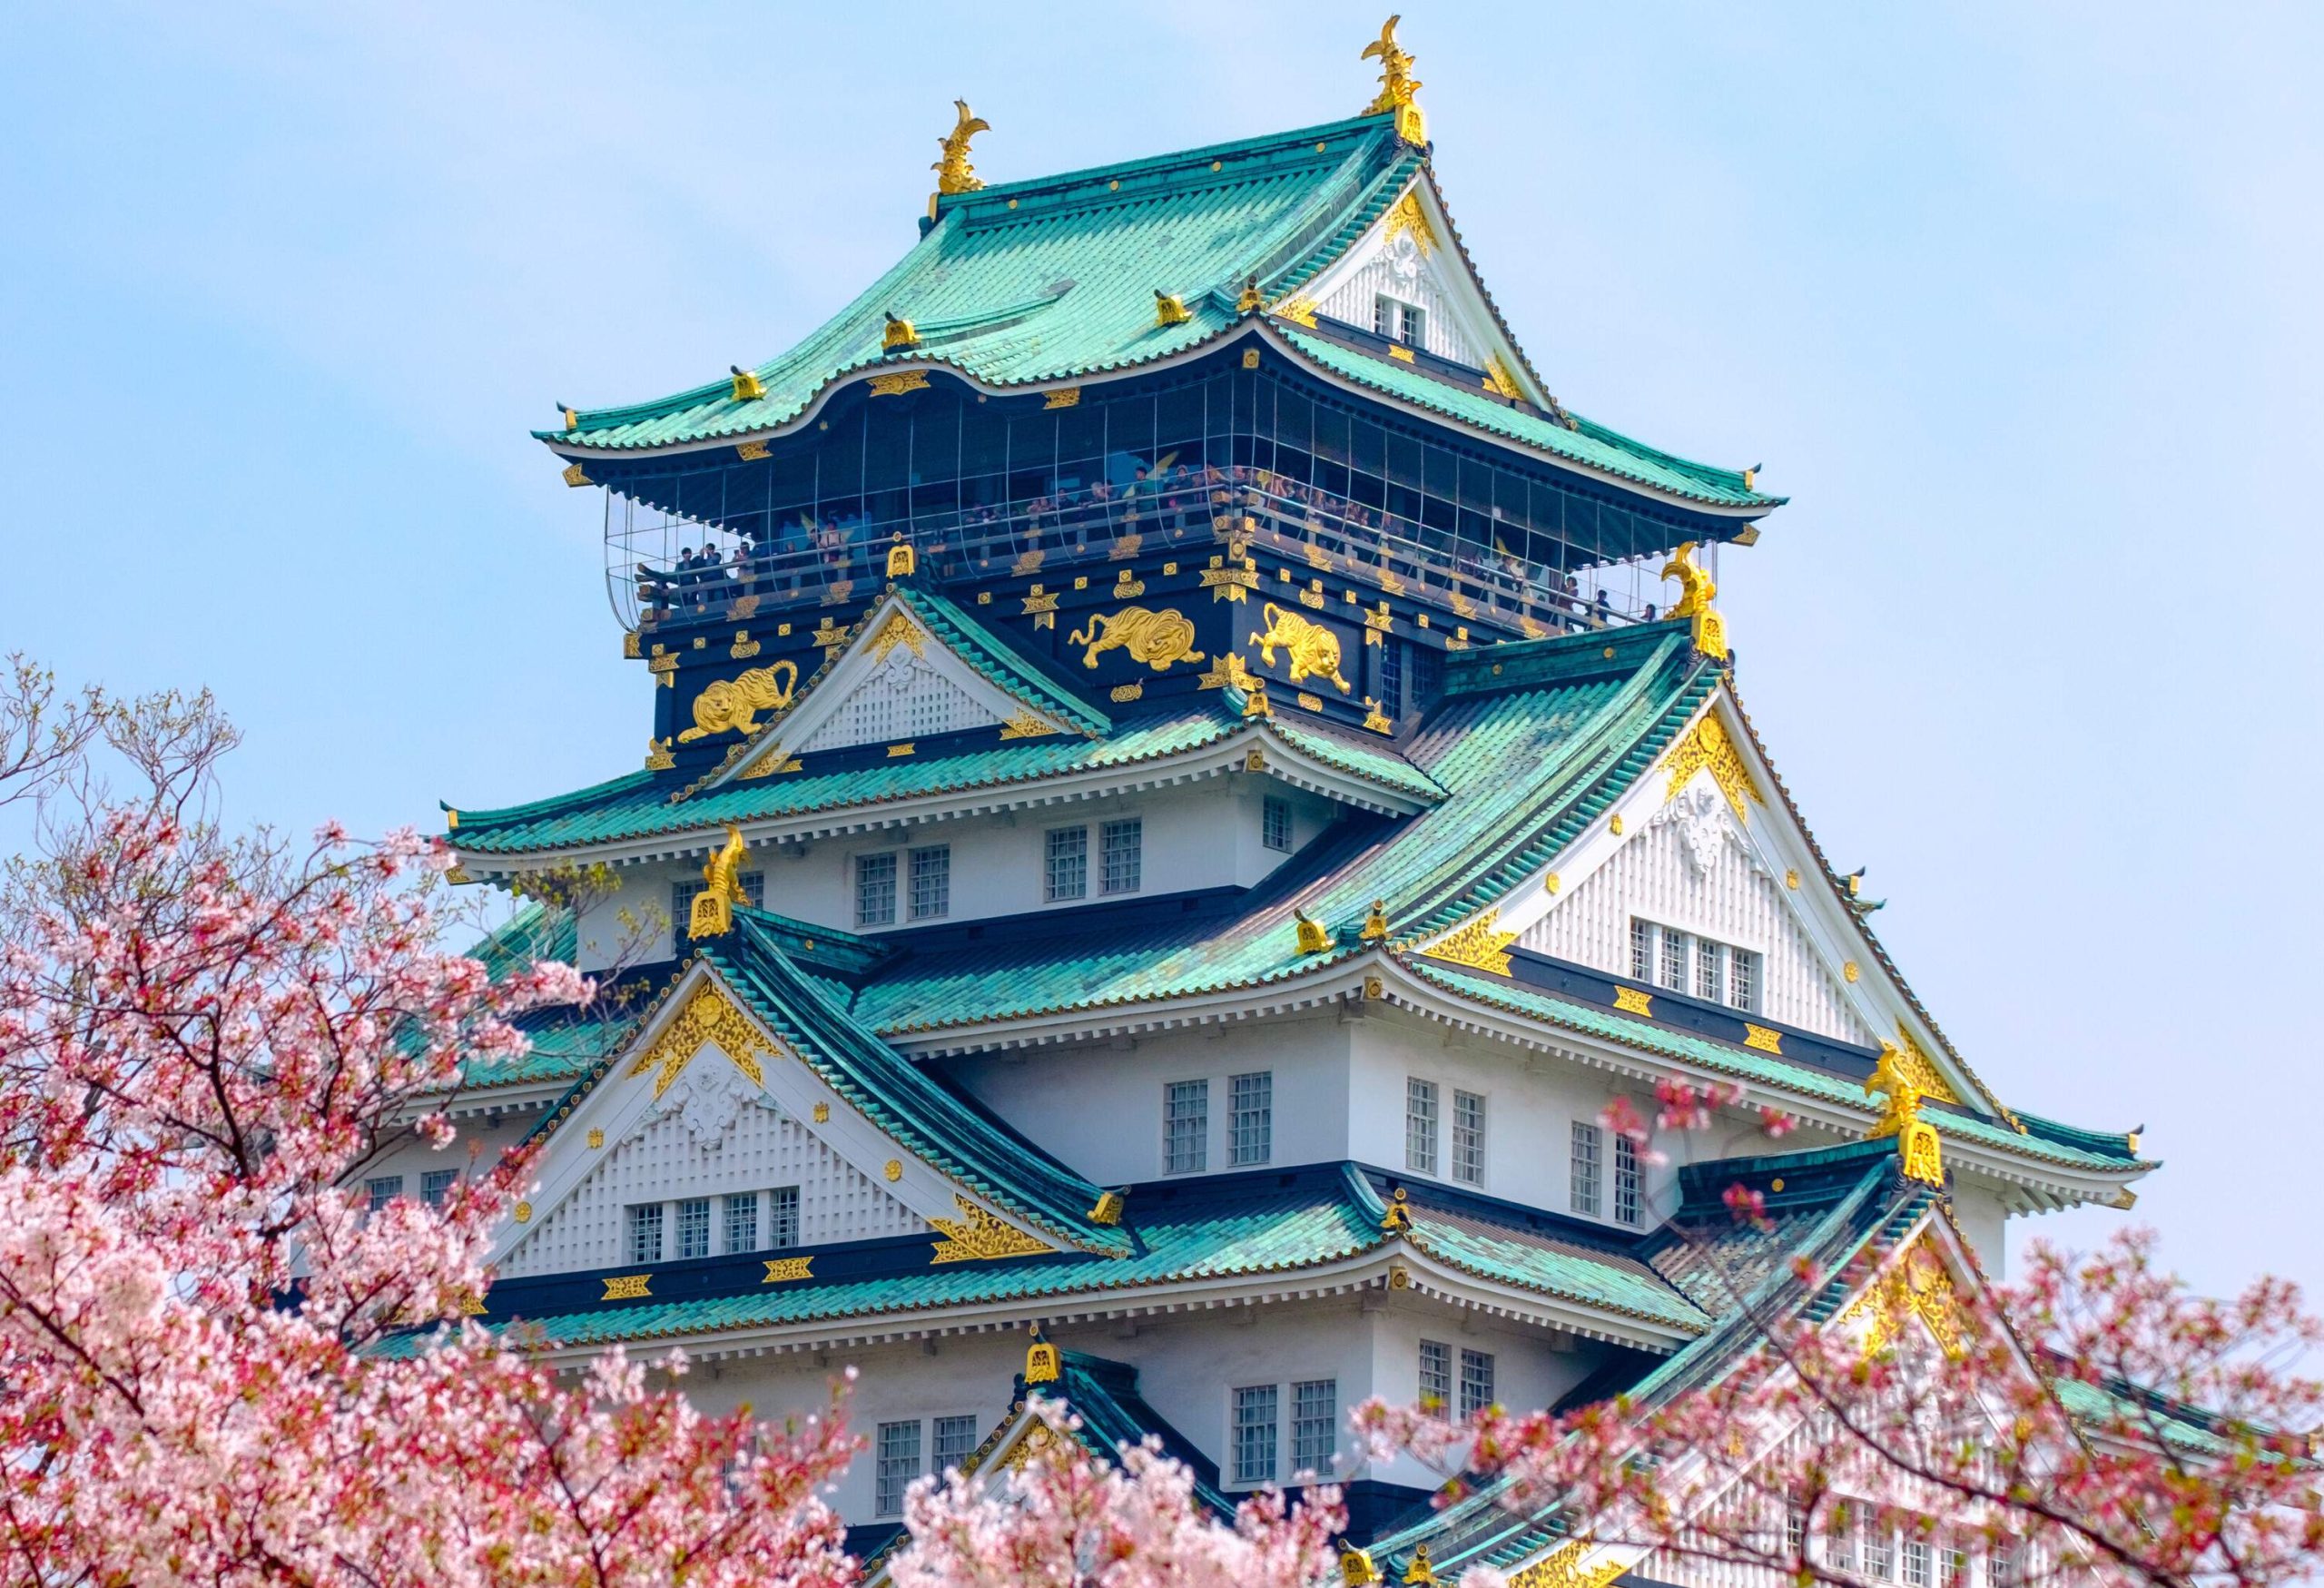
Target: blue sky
point(2018, 304)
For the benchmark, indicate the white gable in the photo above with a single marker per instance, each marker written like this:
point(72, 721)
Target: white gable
point(1408, 255)
point(1691, 868)
point(894, 684)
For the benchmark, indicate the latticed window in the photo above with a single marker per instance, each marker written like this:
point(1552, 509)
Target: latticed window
point(693, 1227)
point(1392, 678)
point(1674, 960)
point(1476, 1381)
point(1383, 315)
point(1274, 824)
point(1315, 1424)
point(1709, 982)
point(1420, 1125)
point(897, 1456)
point(1124, 847)
point(1839, 1544)
point(932, 882)
point(437, 1184)
point(646, 1232)
point(1588, 1164)
point(381, 1190)
point(1795, 1532)
point(875, 890)
point(1641, 949)
point(683, 895)
point(1250, 1124)
point(1626, 1180)
point(1428, 676)
point(956, 1441)
point(743, 1222)
point(1468, 1138)
point(1068, 874)
point(1955, 1566)
point(1743, 967)
point(1185, 1127)
point(1879, 1551)
point(1436, 1374)
point(1254, 1434)
point(1915, 1563)
point(782, 1219)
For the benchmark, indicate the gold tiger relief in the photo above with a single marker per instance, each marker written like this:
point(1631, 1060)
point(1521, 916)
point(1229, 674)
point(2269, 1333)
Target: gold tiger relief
point(1311, 647)
point(1156, 638)
point(735, 703)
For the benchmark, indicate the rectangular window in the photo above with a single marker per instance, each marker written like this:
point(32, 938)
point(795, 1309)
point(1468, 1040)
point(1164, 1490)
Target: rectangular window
point(1476, 1381)
point(1641, 949)
point(1274, 824)
point(1468, 1138)
point(1674, 960)
point(1069, 864)
point(1839, 1544)
point(875, 890)
point(2003, 1566)
point(1626, 1180)
point(1420, 1126)
point(1250, 1124)
point(437, 1184)
point(646, 1232)
point(1795, 1533)
point(932, 882)
point(1428, 676)
point(743, 1222)
point(1915, 1563)
point(1392, 678)
point(682, 897)
point(897, 1458)
point(1879, 1551)
point(1436, 1375)
point(1254, 1434)
point(1415, 326)
point(1587, 1161)
point(783, 1219)
point(1123, 849)
point(1383, 316)
point(1708, 979)
point(1185, 1127)
point(1315, 1424)
point(1743, 978)
point(693, 1227)
point(956, 1441)
point(1955, 1563)
point(381, 1190)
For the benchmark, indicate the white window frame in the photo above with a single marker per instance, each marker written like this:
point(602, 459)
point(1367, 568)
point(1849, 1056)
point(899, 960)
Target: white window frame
point(696, 1212)
point(1436, 1374)
point(1628, 1182)
point(936, 1430)
point(1122, 840)
point(637, 1218)
point(1307, 1455)
point(872, 859)
point(887, 1499)
point(1274, 824)
point(1060, 847)
point(1250, 1118)
point(1198, 1090)
point(1422, 1117)
point(933, 861)
point(1468, 1138)
point(1587, 1182)
point(1254, 1474)
point(1480, 1387)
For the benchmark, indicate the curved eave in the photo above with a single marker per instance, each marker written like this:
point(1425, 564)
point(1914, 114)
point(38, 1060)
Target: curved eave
point(572, 446)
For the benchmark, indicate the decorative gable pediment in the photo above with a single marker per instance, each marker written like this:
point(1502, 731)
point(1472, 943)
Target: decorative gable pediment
point(893, 682)
point(707, 1105)
point(1409, 256)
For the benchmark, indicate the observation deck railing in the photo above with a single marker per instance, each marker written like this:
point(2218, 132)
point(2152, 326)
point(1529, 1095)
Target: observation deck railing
point(1232, 512)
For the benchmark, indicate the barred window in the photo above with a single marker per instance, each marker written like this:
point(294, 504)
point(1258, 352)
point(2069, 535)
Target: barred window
point(1428, 676)
point(1069, 864)
point(1743, 968)
point(1674, 960)
point(646, 1232)
point(1415, 327)
point(1476, 1381)
point(1879, 1551)
point(1955, 1566)
point(782, 1223)
point(2005, 1567)
point(1708, 979)
point(956, 1441)
point(1123, 846)
point(1315, 1424)
point(743, 1222)
point(1468, 1138)
point(693, 1227)
point(1436, 1375)
point(1420, 1126)
point(1626, 1180)
point(1274, 824)
point(682, 897)
point(1915, 1563)
point(1588, 1161)
point(1641, 949)
point(1185, 1127)
point(1383, 315)
point(1839, 1543)
point(437, 1184)
point(875, 890)
point(1392, 678)
point(932, 882)
point(898, 1463)
point(1795, 1532)
point(1254, 1434)
point(381, 1190)
point(1250, 1124)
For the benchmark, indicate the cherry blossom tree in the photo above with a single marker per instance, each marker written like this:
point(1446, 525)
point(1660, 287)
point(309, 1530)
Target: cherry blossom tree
point(2094, 1422)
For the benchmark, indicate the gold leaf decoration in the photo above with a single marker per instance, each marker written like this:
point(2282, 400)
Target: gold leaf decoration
point(1156, 638)
point(628, 1287)
point(1707, 747)
point(779, 1270)
point(979, 1235)
point(709, 1018)
point(1480, 944)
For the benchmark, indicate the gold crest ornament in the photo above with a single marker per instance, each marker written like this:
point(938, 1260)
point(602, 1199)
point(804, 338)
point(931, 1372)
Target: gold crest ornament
point(1155, 638)
point(1397, 84)
point(1312, 649)
point(714, 907)
point(1042, 1363)
point(1900, 1117)
point(954, 174)
point(1711, 628)
point(734, 703)
point(902, 561)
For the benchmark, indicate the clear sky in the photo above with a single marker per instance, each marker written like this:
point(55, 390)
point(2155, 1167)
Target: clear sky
point(2020, 306)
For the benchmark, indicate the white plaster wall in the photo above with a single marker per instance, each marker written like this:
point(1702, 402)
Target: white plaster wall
point(1099, 1106)
point(1200, 835)
point(1532, 1367)
point(1351, 301)
point(662, 1161)
point(1978, 1213)
point(474, 1150)
point(1731, 901)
